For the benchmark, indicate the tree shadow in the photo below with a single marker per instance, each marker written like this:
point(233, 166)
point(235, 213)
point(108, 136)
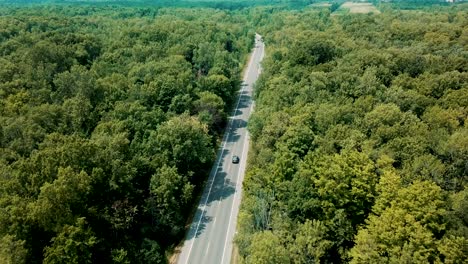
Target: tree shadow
point(197, 230)
point(244, 101)
point(238, 112)
point(222, 188)
point(234, 135)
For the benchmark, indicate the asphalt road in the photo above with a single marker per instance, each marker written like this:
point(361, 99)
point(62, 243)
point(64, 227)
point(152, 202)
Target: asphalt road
point(210, 237)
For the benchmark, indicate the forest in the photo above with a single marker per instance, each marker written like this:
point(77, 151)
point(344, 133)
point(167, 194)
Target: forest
point(360, 139)
point(109, 122)
point(111, 114)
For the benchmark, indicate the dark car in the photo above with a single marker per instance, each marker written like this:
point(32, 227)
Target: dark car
point(235, 159)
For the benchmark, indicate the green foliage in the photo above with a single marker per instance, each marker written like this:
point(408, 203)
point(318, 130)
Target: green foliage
point(151, 252)
point(406, 230)
point(72, 245)
point(359, 139)
point(57, 201)
point(210, 109)
point(310, 244)
point(267, 248)
point(109, 118)
point(182, 141)
point(170, 197)
point(309, 49)
point(12, 251)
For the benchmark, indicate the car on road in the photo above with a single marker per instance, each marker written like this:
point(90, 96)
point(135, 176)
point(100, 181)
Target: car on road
point(235, 159)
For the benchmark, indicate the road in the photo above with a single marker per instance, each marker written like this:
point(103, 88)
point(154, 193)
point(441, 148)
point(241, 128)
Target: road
point(210, 237)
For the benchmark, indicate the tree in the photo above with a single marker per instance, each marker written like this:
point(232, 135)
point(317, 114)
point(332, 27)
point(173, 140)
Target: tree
point(151, 252)
point(184, 141)
point(355, 127)
point(267, 249)
point(76, 82)
point(453, 249)
point(447, 119)
point(211, 106)
point(12, 250)
point(79, 118)
point(62, 200)
point(426, 167)
point(120, 256)
point(405, 230)
point(170, 195)
point(47, 53)
point(342, 181)
point(203, 58)
point(73, 244)
point(219, 85)
point(312, 50)
point(310, 244)
point(56, 151)
point(455, 149)
point(298, 138)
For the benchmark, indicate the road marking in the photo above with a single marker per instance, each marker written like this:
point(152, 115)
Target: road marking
point(225, 138)
point(207, 248)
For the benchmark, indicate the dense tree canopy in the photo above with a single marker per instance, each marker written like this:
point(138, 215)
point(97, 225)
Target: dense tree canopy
point(109, 120)
point(110, 116)
point(359, 140)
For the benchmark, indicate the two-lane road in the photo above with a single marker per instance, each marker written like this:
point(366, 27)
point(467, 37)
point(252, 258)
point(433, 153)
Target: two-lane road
point(210, 238)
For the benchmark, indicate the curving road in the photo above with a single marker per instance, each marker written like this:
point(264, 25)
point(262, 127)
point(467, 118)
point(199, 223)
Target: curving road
point(210, 237)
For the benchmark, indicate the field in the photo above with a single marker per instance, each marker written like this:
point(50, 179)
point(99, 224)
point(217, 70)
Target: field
point(321, 4)
point(361, 8)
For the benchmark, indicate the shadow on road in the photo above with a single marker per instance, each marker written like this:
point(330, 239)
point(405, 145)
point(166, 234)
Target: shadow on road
point(202, 226)
point(238, 112)
point(243, 103)
point(233, 132)
point(221, 189)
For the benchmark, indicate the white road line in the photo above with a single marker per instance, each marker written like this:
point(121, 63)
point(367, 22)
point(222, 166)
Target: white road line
point(207, 248)
point(226, 136)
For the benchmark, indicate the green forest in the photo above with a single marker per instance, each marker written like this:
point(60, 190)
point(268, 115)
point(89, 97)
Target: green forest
point(360, 140)
point(111, 113)
point(109, 122)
